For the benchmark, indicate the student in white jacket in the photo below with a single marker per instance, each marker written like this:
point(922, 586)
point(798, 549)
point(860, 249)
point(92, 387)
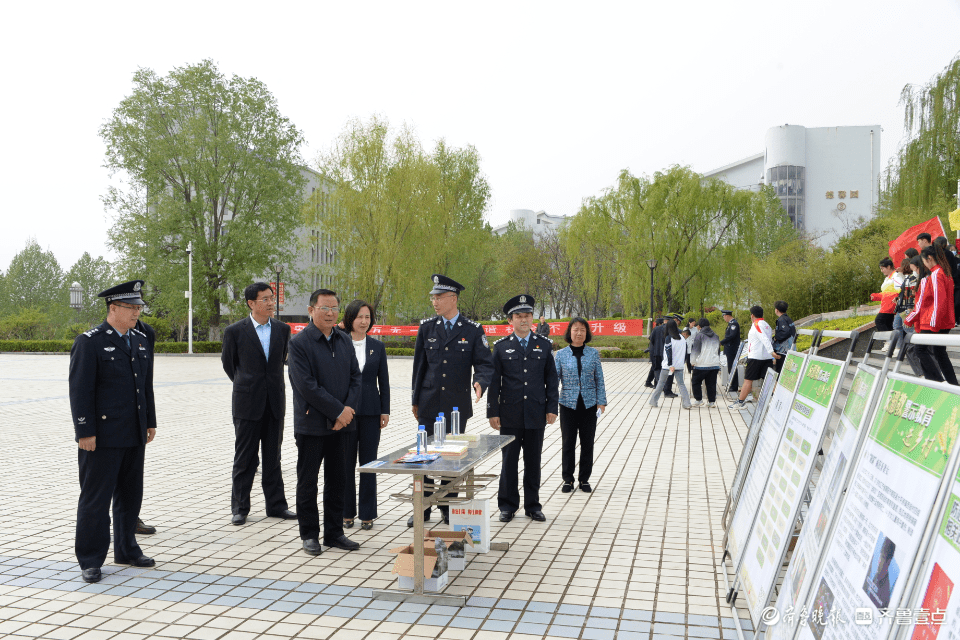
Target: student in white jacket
point(674, 357)
point(760, 354)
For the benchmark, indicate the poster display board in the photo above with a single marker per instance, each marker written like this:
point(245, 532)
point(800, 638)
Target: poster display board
point(749, 445)
point(935, 609)
point(880, 524)
point(764, 455)
point(796, 455)
point(833, 478)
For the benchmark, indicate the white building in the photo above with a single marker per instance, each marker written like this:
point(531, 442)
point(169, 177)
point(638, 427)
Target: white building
point(538, 222)
point(826, 177)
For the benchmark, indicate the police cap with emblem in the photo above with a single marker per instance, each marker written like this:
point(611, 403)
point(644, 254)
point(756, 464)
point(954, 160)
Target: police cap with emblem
point(677, 317)
point(519, 304)
point(443, 284)
point(726, 312)
point(126, 292)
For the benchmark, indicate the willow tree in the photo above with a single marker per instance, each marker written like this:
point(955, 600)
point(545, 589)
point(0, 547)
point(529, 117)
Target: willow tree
point(927, 166)
point(210, 160)
point(398, 214)
point(699, 230)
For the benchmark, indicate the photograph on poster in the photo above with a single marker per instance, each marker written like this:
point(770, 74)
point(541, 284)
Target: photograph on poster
point(883, 573)
point(822, 522)
point(935, 598)
point(796, 576)
point(822, 605)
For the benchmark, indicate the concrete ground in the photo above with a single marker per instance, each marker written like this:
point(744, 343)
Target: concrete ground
point(633, 560)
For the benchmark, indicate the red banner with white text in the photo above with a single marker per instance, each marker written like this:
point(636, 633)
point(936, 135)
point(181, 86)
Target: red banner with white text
point(597, 327)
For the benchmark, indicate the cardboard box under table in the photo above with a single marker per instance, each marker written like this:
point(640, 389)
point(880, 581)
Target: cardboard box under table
point(404, 568)
point(462, 479)
point(457, 543)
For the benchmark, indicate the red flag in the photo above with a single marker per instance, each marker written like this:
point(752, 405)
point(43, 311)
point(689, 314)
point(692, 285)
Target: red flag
point(907, 239)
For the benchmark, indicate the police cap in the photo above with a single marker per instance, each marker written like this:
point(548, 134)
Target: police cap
point(726, 312)
point(443, 284)
point(126, 292)
point(519, 304)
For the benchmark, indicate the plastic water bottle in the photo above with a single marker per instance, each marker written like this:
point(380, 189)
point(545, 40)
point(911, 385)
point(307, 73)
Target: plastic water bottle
point(439, 430)
point(421, 440)
point(455, 421)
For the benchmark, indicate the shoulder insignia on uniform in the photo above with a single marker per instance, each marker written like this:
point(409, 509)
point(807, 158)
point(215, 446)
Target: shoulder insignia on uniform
point(139, 333)
point(500, 340)
point(473, 322)
point(90, 333)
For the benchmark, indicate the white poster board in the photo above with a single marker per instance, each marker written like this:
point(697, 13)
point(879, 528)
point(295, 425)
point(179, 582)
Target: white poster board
point(880, 524)
point(764, 455)
point(795, 460)
point(836, 470)
point(750, 444)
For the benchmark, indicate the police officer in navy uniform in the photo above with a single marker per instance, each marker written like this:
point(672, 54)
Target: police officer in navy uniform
point(731, 344)
point(114, 417)
point(524, 398)
point(448, 346)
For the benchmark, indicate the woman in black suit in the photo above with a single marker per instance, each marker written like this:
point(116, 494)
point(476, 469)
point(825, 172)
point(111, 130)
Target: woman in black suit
point(372, 415)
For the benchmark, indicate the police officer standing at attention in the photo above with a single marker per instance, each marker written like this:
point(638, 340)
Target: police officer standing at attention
point(523, 399)
point(448, 345)
point(731, 344)
point(114, 417)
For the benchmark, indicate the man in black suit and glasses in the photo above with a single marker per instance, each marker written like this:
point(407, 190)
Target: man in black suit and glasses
point(254, 351)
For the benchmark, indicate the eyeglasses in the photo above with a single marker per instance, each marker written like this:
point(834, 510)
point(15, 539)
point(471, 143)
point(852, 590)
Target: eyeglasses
point(437, 296)
point(327, 309)
point(269, 300)
point(138, 307)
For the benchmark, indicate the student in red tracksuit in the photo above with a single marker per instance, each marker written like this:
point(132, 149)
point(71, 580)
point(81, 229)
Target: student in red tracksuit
point(933, 313)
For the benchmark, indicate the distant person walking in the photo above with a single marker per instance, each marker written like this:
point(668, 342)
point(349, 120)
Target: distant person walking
point(785, 333)
point(731, 344)
point(705, 357)
point(760, 354)
point(889, 289)
point(543, 328)
point(674, 351)
point(932, 313)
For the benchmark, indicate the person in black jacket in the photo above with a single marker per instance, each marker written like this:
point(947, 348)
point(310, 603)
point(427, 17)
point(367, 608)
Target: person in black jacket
point(655, 346)
point(372, 415)
point(731, 344)
point(326, 380)
point(114, 418)
point(253, 353)
point(785, 330)
point(448, 346)
point(524, 397)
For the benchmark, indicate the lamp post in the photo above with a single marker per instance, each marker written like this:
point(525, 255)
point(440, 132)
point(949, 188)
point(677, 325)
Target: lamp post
point(652, 263)
point(76, 297)
point(278, 268)
point(189, 295)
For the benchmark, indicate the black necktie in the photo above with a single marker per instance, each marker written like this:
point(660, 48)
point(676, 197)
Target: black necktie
point(449, 326)
point(523, 343)
point(126, 337)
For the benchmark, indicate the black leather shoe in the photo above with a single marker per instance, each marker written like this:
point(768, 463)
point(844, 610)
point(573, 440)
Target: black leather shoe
point(92, 575)
point(343, 542)
point(585, 487)
point(312, 547)
point(286, 514)
point(537, 515)
point(670, 395)
point(142, 561)
point(145, 529)
point(567, 487)
point(426, 518)
point(506, 516)
point(650, 386)
point(238, 519)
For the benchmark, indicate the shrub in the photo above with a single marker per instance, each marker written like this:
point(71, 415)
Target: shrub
point(28, 324)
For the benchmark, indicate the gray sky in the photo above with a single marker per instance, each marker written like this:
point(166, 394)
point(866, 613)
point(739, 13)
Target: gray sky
point(557, 97)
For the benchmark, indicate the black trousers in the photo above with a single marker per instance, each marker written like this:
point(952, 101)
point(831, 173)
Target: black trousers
point(884, 322)
point(105, 475)
point(361, 444)
point(654, 369)
point(731, 358)
point(311, 451)
point(935, 362)
point(707, 377)
point(574, 422)
point(443, 509)
point(530, 441)
point(251, 436)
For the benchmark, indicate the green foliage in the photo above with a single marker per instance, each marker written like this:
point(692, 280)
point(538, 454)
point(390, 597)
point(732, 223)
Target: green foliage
point(71, 331)
point(35, 346)
point(181, 347)
point(398, 214)
point(93, 275)
point(837, 324)
point(161, 326)
point(212, 161)
point(28, 324)
point(35, 280)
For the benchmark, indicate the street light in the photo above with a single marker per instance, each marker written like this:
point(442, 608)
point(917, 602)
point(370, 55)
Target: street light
point(189, 295)
point(652, 263)
point(76, 297)
point(278, 268)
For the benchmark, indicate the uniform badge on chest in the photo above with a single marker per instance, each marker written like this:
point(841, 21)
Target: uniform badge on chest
point(109, 348)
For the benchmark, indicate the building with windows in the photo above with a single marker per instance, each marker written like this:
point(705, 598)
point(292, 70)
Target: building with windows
point(539, 222)
point(827, 178)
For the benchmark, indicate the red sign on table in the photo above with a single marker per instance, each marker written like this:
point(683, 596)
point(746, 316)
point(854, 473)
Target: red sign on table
point(597, 327)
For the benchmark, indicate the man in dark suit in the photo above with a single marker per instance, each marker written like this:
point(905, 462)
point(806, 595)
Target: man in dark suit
point(448, 346)
point(731, 344)
point(524, 398)
point(147, 330)
point(114, 417)
point(326, 380)
point(254, 351)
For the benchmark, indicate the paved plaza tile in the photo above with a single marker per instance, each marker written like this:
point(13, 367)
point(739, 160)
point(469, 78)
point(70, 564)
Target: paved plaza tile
point(634, 559)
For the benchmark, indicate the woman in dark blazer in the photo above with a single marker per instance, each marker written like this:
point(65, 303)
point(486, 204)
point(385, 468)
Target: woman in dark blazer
point(372, 415)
